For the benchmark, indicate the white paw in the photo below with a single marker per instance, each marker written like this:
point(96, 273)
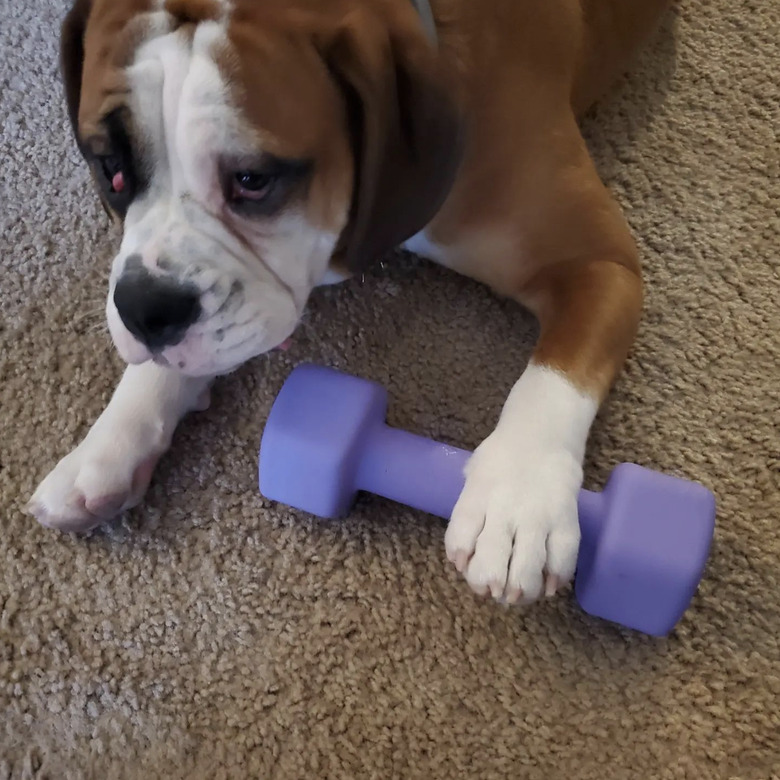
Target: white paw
point(514, 532)
point(102, 477)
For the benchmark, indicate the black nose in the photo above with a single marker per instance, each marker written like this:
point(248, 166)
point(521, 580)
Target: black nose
point(156, 311)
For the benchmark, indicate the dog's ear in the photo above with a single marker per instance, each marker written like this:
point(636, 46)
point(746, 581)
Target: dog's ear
point(72, 57)
point(406, 127)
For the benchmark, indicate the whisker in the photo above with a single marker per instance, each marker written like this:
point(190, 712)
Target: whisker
point(97, 329)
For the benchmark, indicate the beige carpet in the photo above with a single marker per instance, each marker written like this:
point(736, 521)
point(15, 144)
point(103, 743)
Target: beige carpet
point(212, 635)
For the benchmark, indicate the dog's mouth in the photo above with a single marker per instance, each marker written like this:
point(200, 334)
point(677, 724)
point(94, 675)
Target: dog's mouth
point(160, 359)
point(207, 347)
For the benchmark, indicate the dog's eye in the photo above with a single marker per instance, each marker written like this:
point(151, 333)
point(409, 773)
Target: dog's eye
point(249, 185)
point(262, 186)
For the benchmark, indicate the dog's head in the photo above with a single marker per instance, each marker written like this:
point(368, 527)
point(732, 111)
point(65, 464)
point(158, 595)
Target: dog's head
point(249, 147)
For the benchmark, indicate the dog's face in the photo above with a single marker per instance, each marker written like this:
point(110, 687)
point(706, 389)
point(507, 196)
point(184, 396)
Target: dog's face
point(247, 147)
point(232, 208)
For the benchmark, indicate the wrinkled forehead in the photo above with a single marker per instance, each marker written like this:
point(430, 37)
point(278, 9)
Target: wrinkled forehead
point(163, 57)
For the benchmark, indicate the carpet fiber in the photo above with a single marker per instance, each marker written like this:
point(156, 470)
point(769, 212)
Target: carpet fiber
point(210, 634)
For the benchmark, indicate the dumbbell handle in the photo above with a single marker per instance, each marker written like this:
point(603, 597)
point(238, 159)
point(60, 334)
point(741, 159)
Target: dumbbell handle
point(412, 470)
point(428, 475)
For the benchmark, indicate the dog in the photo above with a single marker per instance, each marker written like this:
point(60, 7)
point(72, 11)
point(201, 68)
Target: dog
point(255, 149)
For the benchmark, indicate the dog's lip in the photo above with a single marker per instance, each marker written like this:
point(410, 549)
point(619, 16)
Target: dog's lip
point(159, 358)
point(135, 358)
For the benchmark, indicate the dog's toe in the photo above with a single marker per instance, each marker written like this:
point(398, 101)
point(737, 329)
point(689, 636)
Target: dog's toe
point(89, 486)
point(514, 532)
point(68, 514)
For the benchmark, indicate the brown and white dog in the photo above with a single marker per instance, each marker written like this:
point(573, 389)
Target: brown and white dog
point(255, 149)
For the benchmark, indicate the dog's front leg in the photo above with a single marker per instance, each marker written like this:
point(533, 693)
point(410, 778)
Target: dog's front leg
point(514, 532)
point(111, 468)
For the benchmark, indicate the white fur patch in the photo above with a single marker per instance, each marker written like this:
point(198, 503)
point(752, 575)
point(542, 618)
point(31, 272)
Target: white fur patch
point(421, 245)
point(333, 277)
point(516, 520)
point(109, 471)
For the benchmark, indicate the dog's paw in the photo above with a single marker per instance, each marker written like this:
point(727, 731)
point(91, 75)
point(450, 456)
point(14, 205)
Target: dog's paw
point(94, 483)
point(514, 532)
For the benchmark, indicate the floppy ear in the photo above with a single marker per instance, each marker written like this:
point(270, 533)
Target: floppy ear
point(405, 125)
point(72, 57)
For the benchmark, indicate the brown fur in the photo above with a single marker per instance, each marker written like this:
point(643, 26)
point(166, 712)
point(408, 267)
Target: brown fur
point(193, 11)
point(527, 213)
point(402, 125)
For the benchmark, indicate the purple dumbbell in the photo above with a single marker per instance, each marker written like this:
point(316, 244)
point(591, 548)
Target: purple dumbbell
point(645, 538)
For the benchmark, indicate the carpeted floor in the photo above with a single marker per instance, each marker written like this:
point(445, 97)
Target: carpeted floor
point(212, 635)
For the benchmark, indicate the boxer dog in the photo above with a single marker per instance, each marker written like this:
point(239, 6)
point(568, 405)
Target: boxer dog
point(255, 149)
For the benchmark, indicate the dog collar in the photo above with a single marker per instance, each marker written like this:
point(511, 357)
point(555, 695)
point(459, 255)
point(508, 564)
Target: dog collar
point(423, 8)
